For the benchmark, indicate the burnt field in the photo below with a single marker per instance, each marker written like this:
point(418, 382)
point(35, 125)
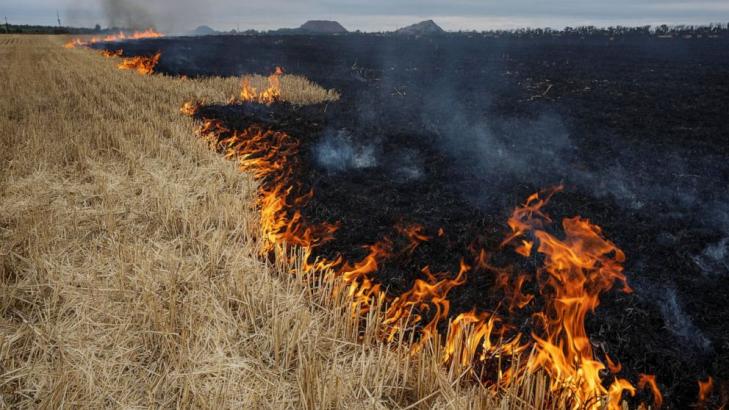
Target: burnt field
point(435, 142)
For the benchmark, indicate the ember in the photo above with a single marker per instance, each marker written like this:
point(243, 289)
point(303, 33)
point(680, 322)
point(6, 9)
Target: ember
point(109, 53)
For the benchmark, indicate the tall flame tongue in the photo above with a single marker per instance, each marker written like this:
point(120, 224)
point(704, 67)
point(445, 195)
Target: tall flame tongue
point(121, 36)
point(576, 270)
point(142, 65)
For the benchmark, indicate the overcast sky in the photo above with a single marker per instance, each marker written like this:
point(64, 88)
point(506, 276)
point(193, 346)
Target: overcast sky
point(366, 15)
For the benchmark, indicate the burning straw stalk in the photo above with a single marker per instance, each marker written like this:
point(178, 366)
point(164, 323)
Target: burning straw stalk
point(142, 65)
point(120, 36)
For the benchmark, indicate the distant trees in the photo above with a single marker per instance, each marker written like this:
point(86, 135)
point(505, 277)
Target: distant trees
point(612, 32)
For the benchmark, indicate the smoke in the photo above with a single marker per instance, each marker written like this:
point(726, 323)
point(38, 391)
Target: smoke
point(127, 14)
point(337, 151)
point(714, 259)
point(679, 323)
point(170, 16)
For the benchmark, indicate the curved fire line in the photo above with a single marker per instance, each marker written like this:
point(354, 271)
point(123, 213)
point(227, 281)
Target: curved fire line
point(577, 268)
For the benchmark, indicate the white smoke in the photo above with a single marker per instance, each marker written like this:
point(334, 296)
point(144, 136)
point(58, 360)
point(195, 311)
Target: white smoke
point(714, 259)
point(337, 152)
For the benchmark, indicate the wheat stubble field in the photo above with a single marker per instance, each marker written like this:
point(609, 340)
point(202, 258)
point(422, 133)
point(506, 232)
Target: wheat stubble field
point(130, 273)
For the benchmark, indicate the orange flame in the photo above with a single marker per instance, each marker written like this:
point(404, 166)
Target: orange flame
point(143, 65)
point(121, 36)
point(578, 269)
point(109, 53)
point(426, 296)
point(267, 96)
point(189, 108)
point(705, 388)
point(650, 381)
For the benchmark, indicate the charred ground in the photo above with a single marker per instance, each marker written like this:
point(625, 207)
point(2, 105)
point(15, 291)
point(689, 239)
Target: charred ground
point(452, 132)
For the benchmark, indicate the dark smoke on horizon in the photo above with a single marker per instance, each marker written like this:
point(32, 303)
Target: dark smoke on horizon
point(170, 16)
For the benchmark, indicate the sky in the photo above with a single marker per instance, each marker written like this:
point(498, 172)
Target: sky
point(365, 15)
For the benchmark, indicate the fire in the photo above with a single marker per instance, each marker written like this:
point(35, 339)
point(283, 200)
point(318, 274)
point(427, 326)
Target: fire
point(189, 108)
point(577, 267)
point(426, 296)
point(121, 36)
point(705, 388)
point(109, 53)
point(143, 65)
point(267, 96)
point(646, 380)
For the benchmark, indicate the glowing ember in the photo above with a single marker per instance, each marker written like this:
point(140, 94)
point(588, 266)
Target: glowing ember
point(143, 65)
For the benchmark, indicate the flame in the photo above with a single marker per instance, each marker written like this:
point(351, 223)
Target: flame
point(267, 96)
point(190, 108)
point(143, 65)
point(577, 269)
point(613, 366)
point(425, 297)
point(121, 36)
point(109, 53)
point(705, 388)
point(650, 381)
point(414, 234)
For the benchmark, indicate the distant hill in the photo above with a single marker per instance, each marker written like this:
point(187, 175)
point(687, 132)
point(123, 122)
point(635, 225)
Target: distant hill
point(322, 27)
point(203, 31)
point(423, 28)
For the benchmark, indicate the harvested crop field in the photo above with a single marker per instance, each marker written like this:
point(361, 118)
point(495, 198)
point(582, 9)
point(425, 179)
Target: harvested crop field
point(130, 273)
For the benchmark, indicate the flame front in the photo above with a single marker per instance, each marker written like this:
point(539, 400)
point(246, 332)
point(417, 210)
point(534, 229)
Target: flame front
point(142, 65)
point(121, 36)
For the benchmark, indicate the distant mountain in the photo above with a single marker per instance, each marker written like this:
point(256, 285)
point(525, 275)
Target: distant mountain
point(203, 31)
point(322, 27)
point(423, 28)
